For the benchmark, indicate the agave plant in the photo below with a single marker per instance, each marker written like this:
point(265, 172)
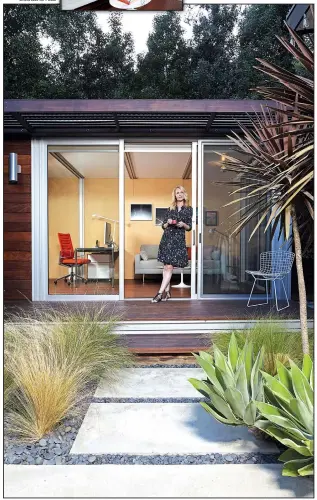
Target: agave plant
point(232, 383)
point(274, 175)
point(288, 415)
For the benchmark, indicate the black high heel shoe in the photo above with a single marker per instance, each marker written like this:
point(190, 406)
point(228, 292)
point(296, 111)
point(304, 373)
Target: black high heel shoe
point(158, 297)
point(167, 295)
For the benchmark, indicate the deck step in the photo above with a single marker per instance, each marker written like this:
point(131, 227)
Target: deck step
point(164, 343)
point(197, 326)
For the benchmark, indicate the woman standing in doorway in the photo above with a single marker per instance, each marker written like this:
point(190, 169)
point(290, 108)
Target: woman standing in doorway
point(172, 250)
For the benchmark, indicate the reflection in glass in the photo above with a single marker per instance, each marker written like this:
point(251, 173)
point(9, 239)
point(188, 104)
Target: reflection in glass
point(226, 257)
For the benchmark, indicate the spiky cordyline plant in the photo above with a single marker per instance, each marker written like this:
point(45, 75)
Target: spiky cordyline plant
point(275, 171)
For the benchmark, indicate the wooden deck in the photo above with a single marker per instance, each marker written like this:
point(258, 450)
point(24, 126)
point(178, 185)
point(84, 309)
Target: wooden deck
point(133, 289)
point(173, 310)
point(168, 328)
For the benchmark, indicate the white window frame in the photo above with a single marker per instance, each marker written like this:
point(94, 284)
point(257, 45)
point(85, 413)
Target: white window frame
point(39, 189)
point(275, 244)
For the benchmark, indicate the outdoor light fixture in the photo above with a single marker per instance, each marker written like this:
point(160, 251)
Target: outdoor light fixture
point(14, 168)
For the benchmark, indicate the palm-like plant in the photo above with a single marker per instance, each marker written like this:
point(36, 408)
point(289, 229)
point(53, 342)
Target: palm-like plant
point(275, 171)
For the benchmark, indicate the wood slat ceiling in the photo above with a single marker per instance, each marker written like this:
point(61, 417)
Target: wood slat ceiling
point(128, 117)
point(58, 123)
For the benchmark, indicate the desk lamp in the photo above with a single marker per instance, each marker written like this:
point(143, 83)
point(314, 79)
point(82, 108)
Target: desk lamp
point(101, 217)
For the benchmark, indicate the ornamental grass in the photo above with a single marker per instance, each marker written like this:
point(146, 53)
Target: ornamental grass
point(53, 361)
point(279, 342)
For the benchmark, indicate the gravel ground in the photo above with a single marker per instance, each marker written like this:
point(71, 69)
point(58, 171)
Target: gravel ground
point(54, 448)
point(160, 365)
point(148, 400)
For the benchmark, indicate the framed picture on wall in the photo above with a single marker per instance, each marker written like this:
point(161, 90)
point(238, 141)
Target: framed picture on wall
point(141, 212)
point(211, 218)
point(159, 216)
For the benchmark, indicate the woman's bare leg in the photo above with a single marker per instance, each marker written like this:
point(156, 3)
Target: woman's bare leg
point(167, 275)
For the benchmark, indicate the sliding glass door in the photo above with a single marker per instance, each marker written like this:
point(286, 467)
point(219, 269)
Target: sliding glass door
point(223, 258)
point(151, 172)
point(77, 235)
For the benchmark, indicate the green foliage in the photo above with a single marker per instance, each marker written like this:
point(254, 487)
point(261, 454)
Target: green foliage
point(73, 57)
point(213, 50)
point(233, 383)
point(164, 69)
point(279, 343)
point(258, 27)
point(289, 416)
point(53, 358)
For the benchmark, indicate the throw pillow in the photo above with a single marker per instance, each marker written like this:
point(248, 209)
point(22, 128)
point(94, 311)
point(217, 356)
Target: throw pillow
point(144, 255)
point(215, 255)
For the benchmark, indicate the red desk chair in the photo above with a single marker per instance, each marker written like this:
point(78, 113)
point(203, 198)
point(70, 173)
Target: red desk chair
point(66, 258)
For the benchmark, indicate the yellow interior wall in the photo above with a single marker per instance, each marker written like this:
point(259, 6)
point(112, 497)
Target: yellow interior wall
point(157, 192)
point(63, 217)
point(102, 197)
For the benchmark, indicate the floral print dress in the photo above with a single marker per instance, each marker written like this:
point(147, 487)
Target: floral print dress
point(172, 249)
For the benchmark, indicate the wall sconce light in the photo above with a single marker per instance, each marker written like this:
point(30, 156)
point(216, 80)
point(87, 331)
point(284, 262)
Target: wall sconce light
point(14, 168)
point(223, 166)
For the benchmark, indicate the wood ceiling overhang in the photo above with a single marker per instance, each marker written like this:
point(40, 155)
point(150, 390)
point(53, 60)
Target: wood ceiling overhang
point(127, 118)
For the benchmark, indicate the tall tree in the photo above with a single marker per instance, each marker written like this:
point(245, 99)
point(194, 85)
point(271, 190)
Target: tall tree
point(50, 53)
point(71, 36)
point(257, 30)
point(163, 71)
point(109, 65)
point(213, 51)
point(23, 63)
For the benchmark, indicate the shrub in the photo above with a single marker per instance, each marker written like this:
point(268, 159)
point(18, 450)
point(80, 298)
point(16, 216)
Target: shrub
point(52, 358)
point(232, 383)
point(280, 344)
point(288, 415)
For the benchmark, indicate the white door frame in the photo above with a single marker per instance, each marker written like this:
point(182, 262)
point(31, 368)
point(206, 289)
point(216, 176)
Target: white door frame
point(164, 147)
point(218, 143)
point(193, 294)
point(200, 184)
point(39, 189)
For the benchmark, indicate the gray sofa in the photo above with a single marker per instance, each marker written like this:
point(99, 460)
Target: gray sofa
point(212, 262)
point(146, 262)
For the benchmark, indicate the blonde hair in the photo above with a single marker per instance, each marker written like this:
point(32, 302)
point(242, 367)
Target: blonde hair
point(174, 201)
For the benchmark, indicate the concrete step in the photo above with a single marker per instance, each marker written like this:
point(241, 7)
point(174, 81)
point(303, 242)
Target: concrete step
point(148, 481)
point(152, 383)
point(198, 326)
point(161, 428)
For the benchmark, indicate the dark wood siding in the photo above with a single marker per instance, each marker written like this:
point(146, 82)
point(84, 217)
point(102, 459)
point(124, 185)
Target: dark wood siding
point(17, 238)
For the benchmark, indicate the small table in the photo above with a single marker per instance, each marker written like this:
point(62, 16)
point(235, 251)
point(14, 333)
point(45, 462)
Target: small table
point(181, 284)
point(100, 250)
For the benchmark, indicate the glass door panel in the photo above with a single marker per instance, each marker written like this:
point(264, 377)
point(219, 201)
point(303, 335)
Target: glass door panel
point(83, 204)
point(225, 257)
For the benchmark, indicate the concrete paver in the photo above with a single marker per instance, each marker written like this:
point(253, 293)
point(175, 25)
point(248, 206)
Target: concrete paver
point(139, 481)
point(152, 383)
point(161, 428)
